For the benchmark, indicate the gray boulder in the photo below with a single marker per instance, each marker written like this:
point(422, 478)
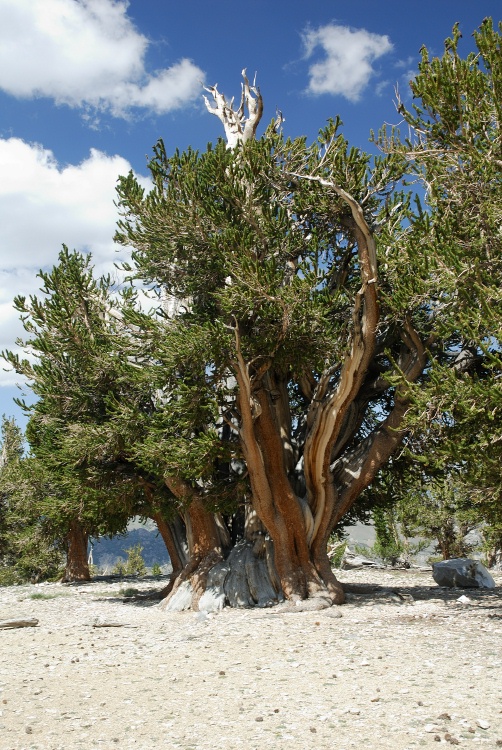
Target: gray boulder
point(463, 573)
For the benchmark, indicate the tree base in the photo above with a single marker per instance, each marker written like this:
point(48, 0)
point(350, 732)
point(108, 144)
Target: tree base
point(247, 578)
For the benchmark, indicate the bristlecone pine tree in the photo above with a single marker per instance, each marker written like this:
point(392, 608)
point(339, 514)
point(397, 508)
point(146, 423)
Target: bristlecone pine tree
point(285, 367)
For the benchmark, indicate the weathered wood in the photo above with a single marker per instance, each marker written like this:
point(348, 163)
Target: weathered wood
point(30, 622)
point(111, 624)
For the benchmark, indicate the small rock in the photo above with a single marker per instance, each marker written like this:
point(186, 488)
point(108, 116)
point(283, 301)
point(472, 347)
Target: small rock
point(464, 599)
point(483, 724)
point(451, 739)
point(430, 728)
point(276, 710)
point(222, 672)
point(28, 730)
point(259, 718)
point(334, 613)
point(313, 729)
point(445, 716)
point(437, 738)
point(375, 699)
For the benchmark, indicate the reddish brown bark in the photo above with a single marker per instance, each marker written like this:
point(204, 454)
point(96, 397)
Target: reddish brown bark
point(77, 567)
point(265, 443)
point(204, 537)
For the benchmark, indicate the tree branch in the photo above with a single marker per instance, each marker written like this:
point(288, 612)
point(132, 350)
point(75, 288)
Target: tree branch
point(238, 128)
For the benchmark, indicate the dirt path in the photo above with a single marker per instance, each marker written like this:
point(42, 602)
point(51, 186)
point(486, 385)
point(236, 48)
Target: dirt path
point(396, 671)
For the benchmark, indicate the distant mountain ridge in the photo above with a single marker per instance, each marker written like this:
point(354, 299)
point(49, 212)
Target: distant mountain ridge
point(107, 552)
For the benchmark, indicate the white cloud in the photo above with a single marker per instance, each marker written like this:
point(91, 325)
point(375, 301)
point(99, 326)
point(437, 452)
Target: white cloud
point(86, 53)
point(44, 205)
point(347, 67)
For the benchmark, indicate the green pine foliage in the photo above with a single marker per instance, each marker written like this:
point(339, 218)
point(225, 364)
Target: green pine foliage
point(250, 254)
point(456, 152)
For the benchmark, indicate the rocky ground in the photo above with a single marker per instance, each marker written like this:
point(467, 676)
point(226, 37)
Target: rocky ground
point(403, 664)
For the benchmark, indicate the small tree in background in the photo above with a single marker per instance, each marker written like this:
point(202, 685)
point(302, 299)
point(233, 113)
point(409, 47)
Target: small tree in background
point(135, 564)
point(70, 331)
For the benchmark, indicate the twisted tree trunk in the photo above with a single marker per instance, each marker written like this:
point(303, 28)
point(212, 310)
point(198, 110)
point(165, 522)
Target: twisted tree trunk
point(206, 540)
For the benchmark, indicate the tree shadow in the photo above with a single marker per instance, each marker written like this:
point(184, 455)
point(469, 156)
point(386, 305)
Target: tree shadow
point(360, 594)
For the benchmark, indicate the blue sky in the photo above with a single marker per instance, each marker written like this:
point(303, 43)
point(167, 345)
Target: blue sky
point(88, 86)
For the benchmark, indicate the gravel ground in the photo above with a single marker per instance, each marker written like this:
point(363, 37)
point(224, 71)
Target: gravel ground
point(402, 665)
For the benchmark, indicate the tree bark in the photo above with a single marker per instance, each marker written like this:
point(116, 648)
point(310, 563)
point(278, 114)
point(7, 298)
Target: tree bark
point(77, 567)
point(206, 545)
point(171, 535)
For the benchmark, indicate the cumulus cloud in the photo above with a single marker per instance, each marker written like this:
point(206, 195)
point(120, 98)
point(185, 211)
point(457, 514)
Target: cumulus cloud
point(86, 53)
point(43, 205)
point(347, 66)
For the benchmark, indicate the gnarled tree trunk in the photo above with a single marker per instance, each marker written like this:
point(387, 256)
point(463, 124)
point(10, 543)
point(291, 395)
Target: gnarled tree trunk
point(207, 539)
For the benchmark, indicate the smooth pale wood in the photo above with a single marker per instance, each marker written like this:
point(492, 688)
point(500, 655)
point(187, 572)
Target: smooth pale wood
point(21, 623)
